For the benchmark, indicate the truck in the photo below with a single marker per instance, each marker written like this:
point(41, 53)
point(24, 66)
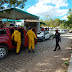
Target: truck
point(6, 43)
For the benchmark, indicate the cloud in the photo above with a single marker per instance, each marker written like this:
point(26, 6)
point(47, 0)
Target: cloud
point(49, 7)
point(56, 2)
point(65, 17)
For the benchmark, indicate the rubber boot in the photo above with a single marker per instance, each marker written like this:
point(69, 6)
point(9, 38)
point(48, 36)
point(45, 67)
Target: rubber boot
point(33, 51)
point(29, 51)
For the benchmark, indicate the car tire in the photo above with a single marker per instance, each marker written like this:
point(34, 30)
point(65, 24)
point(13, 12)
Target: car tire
point(49, 38)
point(3, 52)
point(43, 39)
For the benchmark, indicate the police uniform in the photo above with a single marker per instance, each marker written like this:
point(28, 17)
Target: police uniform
point(57, 37)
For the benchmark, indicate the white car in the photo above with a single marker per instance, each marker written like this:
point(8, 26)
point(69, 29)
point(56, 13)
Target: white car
point(42, 35)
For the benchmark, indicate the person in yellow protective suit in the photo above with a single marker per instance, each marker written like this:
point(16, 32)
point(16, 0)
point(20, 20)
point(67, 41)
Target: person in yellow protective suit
point(17, 38)
point(31, 35)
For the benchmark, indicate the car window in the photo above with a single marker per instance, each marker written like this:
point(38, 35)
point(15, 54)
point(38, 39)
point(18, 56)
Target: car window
point(38, 33)
point(61, 30)
point(11, 31)
point(46, 32)
point(2, 31)
point(64, 30)
point(41, 33)
point(58, 30)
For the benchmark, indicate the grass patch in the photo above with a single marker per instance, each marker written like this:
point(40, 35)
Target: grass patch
point(70, 51)
point(66, 63)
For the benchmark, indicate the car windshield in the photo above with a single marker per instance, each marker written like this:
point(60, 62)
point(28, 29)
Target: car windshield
point(41, 33)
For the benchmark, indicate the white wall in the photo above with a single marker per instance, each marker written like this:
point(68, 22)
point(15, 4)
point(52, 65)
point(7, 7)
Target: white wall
point(19, 23)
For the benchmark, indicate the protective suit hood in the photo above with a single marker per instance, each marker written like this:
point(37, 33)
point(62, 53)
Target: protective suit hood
point(16, 31)
point(29, 31)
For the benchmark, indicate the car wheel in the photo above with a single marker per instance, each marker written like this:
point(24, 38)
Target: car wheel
point(49, 37)
point(43, 38)
point(3, 52)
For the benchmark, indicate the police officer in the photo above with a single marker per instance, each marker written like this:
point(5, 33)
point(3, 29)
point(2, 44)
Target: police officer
point(58, 38)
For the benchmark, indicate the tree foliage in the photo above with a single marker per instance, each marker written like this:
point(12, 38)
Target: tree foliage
point(57, 22)
point(69, 17)
point(12, 3)
point(67, 24)
point(51, 22)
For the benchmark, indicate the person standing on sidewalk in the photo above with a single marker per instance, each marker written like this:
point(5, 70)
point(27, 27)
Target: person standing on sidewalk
point(58, 38)
point(31, 35)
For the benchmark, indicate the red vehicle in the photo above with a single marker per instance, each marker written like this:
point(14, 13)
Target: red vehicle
point(7, 44)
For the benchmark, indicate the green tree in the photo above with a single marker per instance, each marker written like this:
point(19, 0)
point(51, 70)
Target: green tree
point(70, 25)
point(69, 21)
point(67, 24)
point(46, 20)
point(62, 25)
point(12, 3)
point(51, 22)
point(57, 22)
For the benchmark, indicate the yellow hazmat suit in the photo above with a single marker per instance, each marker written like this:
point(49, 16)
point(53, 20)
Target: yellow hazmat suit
point(31, 35)
point(17, 38)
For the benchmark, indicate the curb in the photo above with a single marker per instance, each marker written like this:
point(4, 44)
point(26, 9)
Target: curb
point(70, 65)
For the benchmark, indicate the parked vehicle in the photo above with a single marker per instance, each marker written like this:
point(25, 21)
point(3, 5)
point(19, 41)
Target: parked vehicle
point(62, 31)
point(42, 35)
point(70, 31)
point(7, 44)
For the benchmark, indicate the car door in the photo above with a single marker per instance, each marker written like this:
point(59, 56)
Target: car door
point(48, 34)
point(13, 43)
point(45, 34)
point(25, 39)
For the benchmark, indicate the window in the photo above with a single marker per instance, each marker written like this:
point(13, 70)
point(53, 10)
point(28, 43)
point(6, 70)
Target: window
point(46, 32)
point(41, 33)
point(11, 31)
point(61, 30)
point(64, 30)
point(58, 30)
point(2, 31)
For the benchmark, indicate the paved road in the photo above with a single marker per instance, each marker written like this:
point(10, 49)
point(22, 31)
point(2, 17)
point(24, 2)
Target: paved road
point(14, 62)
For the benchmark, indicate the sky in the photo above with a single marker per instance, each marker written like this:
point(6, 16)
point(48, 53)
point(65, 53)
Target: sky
point(52, 8)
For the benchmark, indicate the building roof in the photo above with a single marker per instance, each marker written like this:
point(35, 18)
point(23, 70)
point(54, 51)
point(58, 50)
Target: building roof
point(42, 23)
point(31, 20)
point(16, 14)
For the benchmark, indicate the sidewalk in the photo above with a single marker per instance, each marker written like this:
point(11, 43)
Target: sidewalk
point(70, 65)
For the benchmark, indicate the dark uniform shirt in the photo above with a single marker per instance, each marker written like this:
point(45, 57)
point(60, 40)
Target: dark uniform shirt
point(57, 36)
